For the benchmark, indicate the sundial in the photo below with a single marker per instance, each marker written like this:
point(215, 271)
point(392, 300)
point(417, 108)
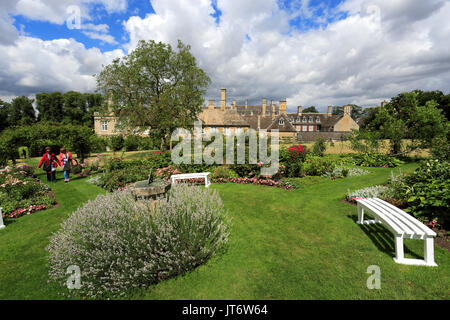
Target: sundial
point(150, 177)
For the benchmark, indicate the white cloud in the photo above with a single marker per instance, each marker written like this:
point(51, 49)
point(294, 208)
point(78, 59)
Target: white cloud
point(102, 37)
point(33, 65)
point(381, 49)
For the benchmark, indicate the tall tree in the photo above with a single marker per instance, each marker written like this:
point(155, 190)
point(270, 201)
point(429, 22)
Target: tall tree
point(5, 113)
point(155, 86)
point(22, 111)
point(311, 109)
point(403, 118)
point(74, 108)
point(50, 106)
point(356, 111)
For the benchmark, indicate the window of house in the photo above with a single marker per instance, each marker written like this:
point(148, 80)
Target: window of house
point(305, 128)
point(281, 122)
point(311, 120)
point(317, 119)
point(297, 120)
point(104, 126)
point(227, 131)
point(311, 128)
point(304, 119)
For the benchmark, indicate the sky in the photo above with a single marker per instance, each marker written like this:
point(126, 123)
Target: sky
point(310, 52)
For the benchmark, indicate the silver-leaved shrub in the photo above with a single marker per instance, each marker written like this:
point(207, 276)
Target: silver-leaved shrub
point(370, 192)
point(119, 244)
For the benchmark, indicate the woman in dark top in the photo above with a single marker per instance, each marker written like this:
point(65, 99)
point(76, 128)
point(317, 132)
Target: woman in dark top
point(50, 162)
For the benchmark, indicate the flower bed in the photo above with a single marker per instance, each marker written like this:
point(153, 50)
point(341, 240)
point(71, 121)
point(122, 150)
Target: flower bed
point(256, 181)
point(21, 193)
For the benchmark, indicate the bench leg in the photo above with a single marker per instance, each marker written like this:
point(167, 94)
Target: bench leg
point(400, 255)
point(429, 251)
point(360, 214)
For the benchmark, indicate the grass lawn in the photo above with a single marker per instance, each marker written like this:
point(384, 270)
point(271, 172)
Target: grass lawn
point(301, 244)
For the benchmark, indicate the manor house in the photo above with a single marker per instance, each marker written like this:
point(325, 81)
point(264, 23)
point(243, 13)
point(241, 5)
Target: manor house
point(233, 119)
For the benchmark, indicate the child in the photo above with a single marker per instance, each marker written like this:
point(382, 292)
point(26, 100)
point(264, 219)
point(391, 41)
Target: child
point(50, 162)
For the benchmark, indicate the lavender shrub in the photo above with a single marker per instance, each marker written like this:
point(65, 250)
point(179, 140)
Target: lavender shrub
point(120, 245)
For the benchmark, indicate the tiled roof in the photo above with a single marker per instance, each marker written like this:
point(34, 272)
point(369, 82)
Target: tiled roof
point(220, 118)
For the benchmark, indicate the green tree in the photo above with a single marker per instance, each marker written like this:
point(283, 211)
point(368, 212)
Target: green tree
point(22, 111)
point(356, 111)
point(50, 106)
point(155, 87)
point(311, 109)
point(403, 118)
point(74, 108)
point(5, 114)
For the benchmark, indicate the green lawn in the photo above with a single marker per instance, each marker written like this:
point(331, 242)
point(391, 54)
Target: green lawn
point(301, 244)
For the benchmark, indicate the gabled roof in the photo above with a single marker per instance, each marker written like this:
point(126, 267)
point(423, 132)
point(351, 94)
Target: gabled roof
point(286, 126)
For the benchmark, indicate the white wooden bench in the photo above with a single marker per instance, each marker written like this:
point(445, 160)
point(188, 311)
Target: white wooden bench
point(1, 220)
point(199, 175)
point(402, 225)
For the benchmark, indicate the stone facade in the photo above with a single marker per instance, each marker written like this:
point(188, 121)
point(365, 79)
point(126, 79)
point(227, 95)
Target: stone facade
point(233, 119)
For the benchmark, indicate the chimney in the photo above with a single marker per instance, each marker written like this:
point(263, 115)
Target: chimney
point(283, 105)
point(273, 109)
point(223, 99)
point(246, 104)
point(299, 110)
point(330, 111)
point(347, 110)
point(264, 105)
point(233, 106)
point(211, 104)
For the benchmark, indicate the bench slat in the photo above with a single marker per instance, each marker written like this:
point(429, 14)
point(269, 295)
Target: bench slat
point(384, 218)
point(413, 221)
point(399, 220)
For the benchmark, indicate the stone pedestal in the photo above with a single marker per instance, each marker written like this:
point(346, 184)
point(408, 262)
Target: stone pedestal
point(154, 191)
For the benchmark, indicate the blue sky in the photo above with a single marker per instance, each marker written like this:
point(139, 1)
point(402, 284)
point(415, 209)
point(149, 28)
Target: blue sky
point(310, 52)
point(321, 14)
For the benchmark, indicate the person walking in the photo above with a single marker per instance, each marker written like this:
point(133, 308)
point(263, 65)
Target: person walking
point(50, 162)
point(65, 158)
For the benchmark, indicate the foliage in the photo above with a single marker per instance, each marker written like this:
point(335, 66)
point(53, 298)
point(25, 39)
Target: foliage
point(311, 109)
point(319, 147)
point(223, 172)
point(131, 142)
point(376, 160)
point(116, 142)
point(404, 118)
point(370, 192)
point(183, 232)
point(426, 191)
point(317, 166)
point(155, 86)
point(36, 137)
point(356, 111)
point(344, 172)
point(22, 111)
point(21, 193)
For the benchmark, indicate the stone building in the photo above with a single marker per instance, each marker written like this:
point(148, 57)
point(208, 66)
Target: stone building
point(233, 119)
